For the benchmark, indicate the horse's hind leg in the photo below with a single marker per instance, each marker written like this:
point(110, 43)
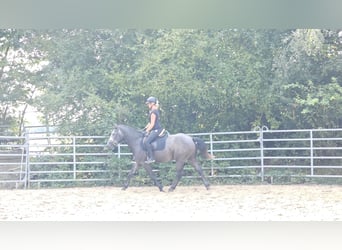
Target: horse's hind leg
point(200, 172)
point(130, 174)
point(179, 174)
point(153, 177)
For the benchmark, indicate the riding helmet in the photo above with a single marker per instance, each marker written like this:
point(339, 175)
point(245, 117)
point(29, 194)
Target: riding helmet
point(152, 99)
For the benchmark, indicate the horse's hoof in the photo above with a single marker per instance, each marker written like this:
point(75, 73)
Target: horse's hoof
point(123, 188)
point(171, 190)
point(207, 187)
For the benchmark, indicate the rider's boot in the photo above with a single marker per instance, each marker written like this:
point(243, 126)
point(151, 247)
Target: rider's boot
point(150, 155)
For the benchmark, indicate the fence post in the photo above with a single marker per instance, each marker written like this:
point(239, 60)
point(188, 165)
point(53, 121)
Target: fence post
point(119, 151)
point(261, 140)
point(211, 152)
point(74, 155)
point(311, 153)
point(27, 149)
point(23, 152)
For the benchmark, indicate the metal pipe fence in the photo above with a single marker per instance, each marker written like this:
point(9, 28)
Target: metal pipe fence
point(39, 158)
point(13, 161)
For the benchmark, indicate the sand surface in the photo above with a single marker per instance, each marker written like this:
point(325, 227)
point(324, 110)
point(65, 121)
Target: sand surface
point(186, 203)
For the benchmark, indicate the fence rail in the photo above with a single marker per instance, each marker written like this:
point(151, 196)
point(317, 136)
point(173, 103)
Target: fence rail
point(43, 157)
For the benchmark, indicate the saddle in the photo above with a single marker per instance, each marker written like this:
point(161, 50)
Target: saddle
point(159, 143)
point(163, 133)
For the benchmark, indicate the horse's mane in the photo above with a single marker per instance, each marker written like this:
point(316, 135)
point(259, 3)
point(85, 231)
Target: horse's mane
point(131, 130)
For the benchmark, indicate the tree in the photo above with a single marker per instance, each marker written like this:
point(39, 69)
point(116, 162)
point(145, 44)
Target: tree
point(308, 64)
point(206, 80)
point(21, 65)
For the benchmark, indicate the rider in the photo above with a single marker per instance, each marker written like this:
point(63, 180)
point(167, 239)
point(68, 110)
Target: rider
point(153, 127)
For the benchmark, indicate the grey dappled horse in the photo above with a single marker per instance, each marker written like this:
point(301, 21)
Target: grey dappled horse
point(178, 147)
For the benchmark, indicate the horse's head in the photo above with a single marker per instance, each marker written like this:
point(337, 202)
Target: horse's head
point(115, 138)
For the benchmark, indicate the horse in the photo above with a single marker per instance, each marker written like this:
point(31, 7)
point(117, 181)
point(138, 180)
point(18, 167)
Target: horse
point(180, 148)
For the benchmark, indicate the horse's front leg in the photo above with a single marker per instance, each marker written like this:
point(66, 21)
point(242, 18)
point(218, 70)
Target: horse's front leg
point(130, 174)
point(153, 177)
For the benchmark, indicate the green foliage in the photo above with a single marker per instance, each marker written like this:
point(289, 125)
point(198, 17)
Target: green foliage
point(206, 80)
point(118, 169)
point(21, 66)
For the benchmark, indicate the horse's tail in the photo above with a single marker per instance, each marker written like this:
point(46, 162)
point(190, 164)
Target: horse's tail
point(202, 148)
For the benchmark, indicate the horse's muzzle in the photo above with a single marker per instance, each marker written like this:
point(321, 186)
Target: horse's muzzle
point(112, 145)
